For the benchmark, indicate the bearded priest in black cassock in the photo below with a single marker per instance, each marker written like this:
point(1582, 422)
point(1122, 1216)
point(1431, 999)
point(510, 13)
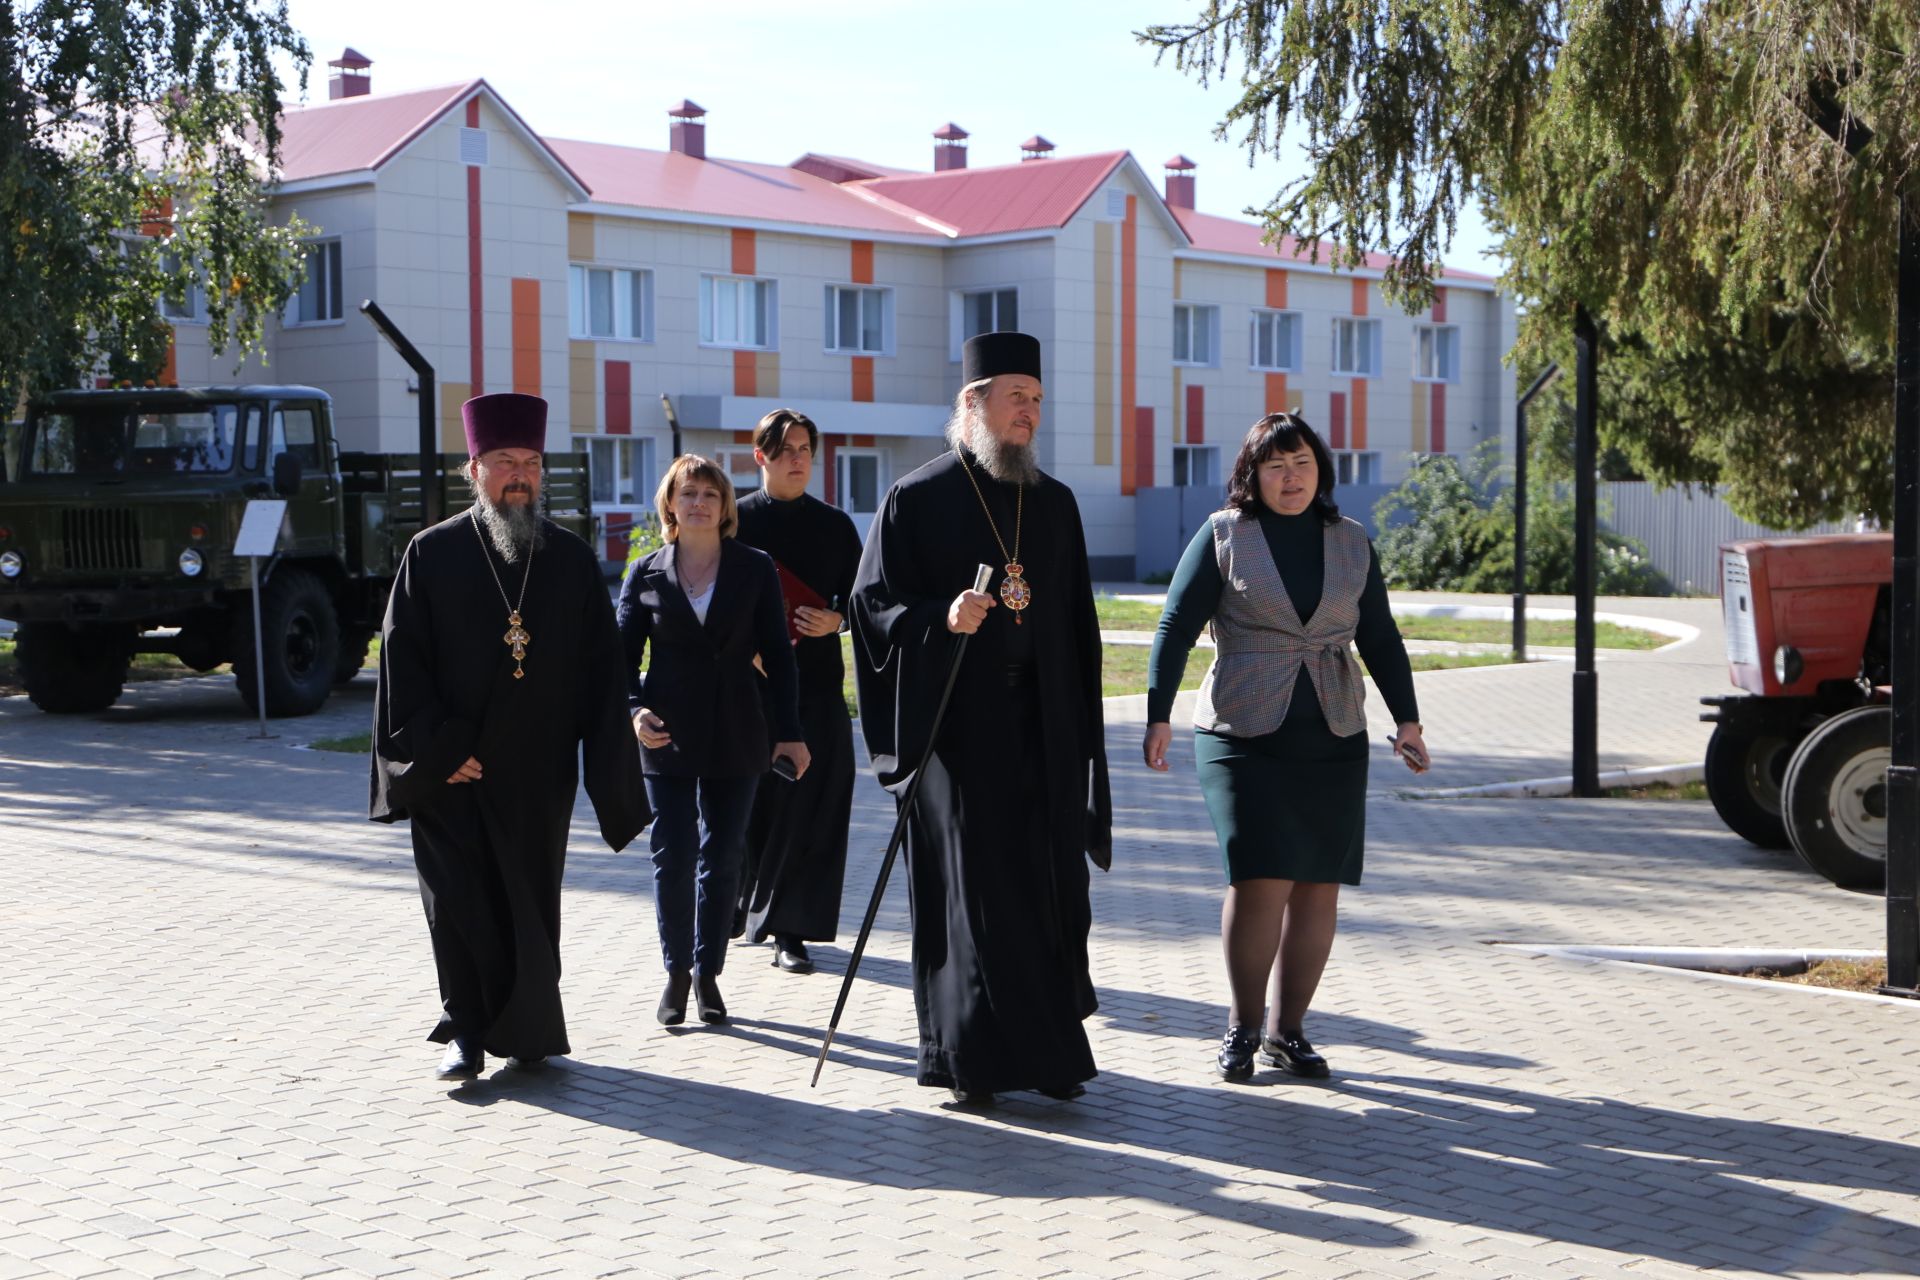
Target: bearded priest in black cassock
point(797, 837)
point(500, 667)
point(1015, 799)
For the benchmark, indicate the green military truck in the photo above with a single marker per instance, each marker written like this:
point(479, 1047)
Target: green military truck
point(118, 513)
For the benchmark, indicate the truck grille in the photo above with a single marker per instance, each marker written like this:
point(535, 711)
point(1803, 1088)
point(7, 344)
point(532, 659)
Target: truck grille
point(93, 539)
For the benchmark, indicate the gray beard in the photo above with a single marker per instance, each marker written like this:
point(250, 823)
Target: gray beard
point(1007, 463)
point(513, 529)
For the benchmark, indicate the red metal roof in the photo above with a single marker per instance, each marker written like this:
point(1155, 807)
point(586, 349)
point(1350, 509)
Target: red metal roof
point(1213, 234)
point(1028, 196)
point(844, 168)
point(669, 181)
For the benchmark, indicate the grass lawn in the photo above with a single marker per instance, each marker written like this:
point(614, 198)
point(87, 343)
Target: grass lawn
point(353, 744)
point(1136, 615)
point(1660, 791)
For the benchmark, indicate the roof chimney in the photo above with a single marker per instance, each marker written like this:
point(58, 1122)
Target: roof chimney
point(688, 133)
point(1180, 183)
point(1035, 148)
point(350, 78)
point(949, 147)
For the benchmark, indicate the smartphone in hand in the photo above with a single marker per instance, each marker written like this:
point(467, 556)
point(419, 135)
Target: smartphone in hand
point(783, 768)
point(1414, 757)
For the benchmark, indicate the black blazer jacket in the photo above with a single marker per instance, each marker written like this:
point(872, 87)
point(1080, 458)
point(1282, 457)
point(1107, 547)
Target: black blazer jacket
point(700, 677)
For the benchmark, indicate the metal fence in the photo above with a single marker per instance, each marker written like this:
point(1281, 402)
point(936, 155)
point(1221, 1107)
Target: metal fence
point(1683, 530)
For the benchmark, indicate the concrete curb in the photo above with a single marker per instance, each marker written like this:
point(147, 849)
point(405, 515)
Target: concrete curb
point(1709, 963)
point(1563, 786)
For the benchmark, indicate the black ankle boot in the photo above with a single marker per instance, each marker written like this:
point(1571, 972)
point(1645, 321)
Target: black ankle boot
point(713, 1010)
point(673, 1001)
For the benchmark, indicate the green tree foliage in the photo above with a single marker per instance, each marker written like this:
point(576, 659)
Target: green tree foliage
point(118, 117)
point(1449, 527)
point(1675, 166)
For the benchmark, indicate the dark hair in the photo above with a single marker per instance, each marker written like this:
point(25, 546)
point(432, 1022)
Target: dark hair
point(1280, 433)
point(770, 437)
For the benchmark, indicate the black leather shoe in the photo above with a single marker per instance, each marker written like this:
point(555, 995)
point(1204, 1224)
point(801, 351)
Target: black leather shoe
point(1063, 1092)
point(790, 955)
point(972, 1097)
point(463, 1061)
point(528, 1064)
point(1292, 1054)
point(1236, 1053)
point(739, 929)
point(673, 1001)
point(713, 1010)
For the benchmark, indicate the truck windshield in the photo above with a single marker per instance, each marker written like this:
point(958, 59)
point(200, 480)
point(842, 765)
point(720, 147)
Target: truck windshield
point(104, 442)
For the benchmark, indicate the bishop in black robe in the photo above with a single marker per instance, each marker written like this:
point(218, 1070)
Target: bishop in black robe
point(490, 853)
point(1015, 798)
point(797, 837)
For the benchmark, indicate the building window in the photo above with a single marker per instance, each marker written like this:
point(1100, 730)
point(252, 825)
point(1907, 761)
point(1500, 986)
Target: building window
point(1356, 468)
point(606, 302)
point(1196, 465)
point(318, 301)
point(859, 321)
point(1276, 341)
point(1196, 334)
point(988, 311)
point(191, 308)
point(1356, 346)
point(1436, 353)
point(737, 312)
point(860, 480)
point(620, 470)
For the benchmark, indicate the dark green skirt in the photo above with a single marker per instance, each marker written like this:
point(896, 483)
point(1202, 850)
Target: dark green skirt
point(1289, 805)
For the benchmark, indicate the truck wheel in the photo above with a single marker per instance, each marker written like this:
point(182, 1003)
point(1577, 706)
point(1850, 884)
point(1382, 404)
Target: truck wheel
point(67, 670)
point(302, 646)
point(1835, 798)
point(1745, 766)
point(353, 655)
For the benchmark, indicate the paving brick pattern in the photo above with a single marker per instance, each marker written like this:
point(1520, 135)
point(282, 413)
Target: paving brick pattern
point(218, 985)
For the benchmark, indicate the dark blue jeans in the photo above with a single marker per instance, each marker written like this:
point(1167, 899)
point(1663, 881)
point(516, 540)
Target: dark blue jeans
point(699, 841)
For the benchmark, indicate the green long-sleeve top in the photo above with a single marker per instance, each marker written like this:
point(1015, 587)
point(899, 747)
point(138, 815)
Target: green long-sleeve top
point(1297, 544)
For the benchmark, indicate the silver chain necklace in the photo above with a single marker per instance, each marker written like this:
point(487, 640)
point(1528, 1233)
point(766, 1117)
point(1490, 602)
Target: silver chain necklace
point(517, 637)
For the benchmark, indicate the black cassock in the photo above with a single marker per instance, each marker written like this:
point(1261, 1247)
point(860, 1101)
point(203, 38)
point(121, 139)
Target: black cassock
point(797, 837)
point(1015, 797)
point(490, 854)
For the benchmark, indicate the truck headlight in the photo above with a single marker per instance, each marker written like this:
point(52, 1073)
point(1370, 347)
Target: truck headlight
point(192, 562)
point(1788, 665)
point(12, 564)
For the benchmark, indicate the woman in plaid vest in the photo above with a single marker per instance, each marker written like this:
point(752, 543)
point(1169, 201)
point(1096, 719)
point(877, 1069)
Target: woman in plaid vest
point(1290, 587)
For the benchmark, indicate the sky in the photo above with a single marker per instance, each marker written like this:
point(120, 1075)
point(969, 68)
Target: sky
point(865, 78)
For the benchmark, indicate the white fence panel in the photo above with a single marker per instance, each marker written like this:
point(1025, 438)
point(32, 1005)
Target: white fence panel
point(1683, 530)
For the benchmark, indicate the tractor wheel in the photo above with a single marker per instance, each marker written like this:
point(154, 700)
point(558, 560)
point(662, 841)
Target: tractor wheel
point(68, 670)
point(1745, 766)
point(1835, 798)
point(353, 655)
point(302, 646)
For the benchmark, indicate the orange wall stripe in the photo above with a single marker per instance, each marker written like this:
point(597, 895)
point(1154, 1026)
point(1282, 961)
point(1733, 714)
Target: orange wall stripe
point(745, 383)
point(159, 219)
point(1439, 417)
point(861, 442)
point(526, 336)
point(1440, 305)
point(861, 272)
point(1359, 413)
point(863, 262)
point(170, 368)
point(863, 379)
point(1418, 418)
point(743, 437)
point(743, 252)
point(1359, 297)
point(1129, 334)
point(1276, 401)
point(1276, 289)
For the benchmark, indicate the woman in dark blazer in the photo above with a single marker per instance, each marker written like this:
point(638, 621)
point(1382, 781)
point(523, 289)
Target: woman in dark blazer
point(708, 606)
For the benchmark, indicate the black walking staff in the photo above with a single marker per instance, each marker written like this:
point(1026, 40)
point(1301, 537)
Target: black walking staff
point(981, 576)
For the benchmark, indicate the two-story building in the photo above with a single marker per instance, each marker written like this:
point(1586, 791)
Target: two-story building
point(614, 279)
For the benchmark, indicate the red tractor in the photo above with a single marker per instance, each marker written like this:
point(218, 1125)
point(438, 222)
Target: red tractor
point(1801, 758)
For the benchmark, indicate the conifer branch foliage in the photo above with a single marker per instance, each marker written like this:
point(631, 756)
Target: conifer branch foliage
point(136, 142)
point(1680, 167)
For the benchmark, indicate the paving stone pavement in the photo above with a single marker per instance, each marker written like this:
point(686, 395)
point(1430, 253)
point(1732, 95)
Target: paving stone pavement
point(219, 985)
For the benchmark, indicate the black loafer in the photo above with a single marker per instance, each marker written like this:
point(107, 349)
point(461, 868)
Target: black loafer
point(463, 1061)
point(1063, 1092)
point(528, 1064)
point(713, 1010)
point(790, 956)
point(1290, 1052)
point(1236, 1053)
point(972, 1097)
point(673, 1001)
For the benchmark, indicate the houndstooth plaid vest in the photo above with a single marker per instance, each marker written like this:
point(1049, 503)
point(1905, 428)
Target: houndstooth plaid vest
point(1262, 643)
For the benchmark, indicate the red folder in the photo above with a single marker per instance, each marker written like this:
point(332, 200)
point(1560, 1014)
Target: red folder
point(797, 595)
